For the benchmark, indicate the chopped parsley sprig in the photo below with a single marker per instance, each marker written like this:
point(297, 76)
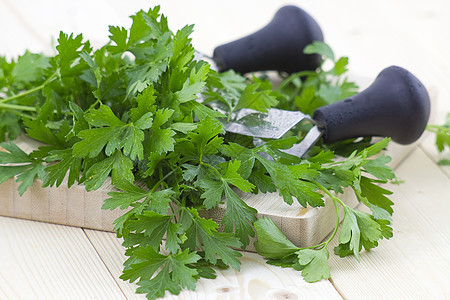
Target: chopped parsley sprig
point(442, 140)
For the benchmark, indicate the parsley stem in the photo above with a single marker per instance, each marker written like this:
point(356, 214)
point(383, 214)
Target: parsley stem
point(178, 203)
point(335, 202)
point(38, 88)
point(438, 128)
point(174, 213)
point(25, 116)
point(338, 220)
point(288, 80)
point(211, 167)
point(95, 104)
point(17, 107)
point(336, 227)
point(161, 181)
point(327, 191)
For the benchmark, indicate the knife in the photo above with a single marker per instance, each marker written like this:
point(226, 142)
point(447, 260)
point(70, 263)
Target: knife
point(395, 105)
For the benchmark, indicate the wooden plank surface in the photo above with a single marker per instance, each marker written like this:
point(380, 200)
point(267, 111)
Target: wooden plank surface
point(110, 249)
point(46, 261)
point(256, 280)
point(415, 263)
point(49, 261)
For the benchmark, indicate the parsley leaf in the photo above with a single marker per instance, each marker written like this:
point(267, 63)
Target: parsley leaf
point(161, 139)
point(287, 179)
point(442, 137)
point(15, 162)
point(66, 162)
point(156, 226)
point(130, 193)
point(113, 135)
point(314, 264)
point(174, 275)
point(358, 229)
point(258, 101)
point(272, 243)
point(238, 217)
point(375, 195)
point(214, 243)
point(319, 48)
point(317, 88)
point(119, 166)
point(379, 168)
point(30, 67)
point(9, 126)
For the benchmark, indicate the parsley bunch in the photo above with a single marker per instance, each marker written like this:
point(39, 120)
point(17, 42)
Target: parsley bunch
point(129, 112)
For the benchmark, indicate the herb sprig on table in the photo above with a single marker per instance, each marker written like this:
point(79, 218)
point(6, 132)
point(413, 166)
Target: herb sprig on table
point(129, 112)
point(442, 140)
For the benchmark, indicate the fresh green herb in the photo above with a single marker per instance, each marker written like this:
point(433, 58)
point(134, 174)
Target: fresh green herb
point(359, 229)
point(309, 90)
point(442, 137)
point(26, 166)
point(274, 245)
point(130, 111)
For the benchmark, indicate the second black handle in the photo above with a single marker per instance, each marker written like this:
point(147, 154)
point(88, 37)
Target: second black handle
point(396, 105)
point(277, 46)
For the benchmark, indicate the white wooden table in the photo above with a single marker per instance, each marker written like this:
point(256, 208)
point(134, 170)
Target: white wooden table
point(45, 261)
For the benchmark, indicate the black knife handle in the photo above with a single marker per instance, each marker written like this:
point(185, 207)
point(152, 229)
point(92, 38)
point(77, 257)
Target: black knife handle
point(396, 105)
point(277, 46)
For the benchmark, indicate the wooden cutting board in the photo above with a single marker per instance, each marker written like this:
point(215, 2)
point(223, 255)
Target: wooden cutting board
point(75, 207)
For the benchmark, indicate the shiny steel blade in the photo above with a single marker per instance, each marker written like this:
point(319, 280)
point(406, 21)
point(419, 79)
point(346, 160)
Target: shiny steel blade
point(299, 149)
point(308, 141)
point(273, 124)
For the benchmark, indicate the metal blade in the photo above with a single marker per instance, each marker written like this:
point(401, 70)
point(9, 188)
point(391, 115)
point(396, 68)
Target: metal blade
point(308, 141)
point(299, 149)
point(273, 124)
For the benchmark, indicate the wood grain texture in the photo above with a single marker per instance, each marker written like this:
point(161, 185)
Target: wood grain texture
point(45, 261)
point(429, 147)
point(256, 279)
point(415, 263)
point(60, 205)
point(110, 250)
